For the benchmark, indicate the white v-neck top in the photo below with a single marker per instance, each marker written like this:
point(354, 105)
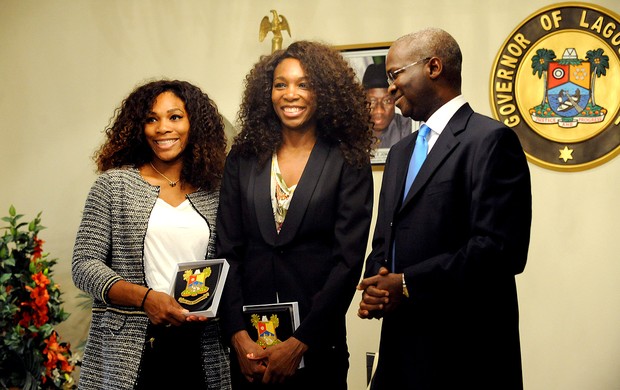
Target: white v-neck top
point(174, 235)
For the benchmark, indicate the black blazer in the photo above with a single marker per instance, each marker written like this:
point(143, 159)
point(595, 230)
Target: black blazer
point(317, 257)
point(459, 237)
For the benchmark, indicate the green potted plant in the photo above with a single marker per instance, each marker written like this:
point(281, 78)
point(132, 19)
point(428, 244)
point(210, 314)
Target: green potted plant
point(31, 353)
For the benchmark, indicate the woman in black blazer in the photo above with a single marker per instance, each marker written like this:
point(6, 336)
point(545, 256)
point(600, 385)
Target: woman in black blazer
point(295, 210)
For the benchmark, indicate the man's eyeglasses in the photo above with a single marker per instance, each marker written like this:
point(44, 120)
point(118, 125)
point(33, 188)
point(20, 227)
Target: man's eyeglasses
point(391, 75)
point(388, 101)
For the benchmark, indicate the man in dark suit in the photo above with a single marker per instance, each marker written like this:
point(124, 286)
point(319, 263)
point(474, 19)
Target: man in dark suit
point(445, 251)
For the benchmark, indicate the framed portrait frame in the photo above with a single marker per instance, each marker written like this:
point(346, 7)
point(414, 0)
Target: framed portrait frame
point(360, 56)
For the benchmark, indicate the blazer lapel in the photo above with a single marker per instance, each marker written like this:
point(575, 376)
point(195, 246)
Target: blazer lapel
point(303, 192)
point(401, 172)
point(444, 146)
point(260, 187)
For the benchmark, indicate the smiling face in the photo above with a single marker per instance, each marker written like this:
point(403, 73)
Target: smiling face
point(167, 128)
point(293, 101)
point(411, 89)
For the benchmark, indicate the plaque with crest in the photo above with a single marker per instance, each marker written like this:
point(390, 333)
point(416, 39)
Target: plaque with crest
point(197, 285)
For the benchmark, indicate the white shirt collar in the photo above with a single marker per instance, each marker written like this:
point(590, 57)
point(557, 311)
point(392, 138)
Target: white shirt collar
point(440, 118)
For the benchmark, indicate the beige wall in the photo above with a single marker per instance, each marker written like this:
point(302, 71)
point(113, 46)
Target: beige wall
point(65, 65)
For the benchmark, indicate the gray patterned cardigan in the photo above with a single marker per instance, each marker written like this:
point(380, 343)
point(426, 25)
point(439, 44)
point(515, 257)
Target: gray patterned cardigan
point(109, 247)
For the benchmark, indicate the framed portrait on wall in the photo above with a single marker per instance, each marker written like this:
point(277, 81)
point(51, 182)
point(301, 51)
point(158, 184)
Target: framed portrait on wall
point(389, 126)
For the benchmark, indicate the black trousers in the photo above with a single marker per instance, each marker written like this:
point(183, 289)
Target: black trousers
point(172, 358)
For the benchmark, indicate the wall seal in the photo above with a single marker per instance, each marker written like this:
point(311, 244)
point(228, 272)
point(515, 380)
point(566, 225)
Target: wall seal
point(556, 83)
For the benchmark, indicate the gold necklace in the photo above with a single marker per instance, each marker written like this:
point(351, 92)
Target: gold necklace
point(170, 182)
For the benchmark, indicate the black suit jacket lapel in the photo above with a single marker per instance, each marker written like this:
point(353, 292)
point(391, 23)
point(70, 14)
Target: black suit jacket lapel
point(444, 146)
point(260, 184)
point(402, 166)
point(303, 193)
point(260, 187)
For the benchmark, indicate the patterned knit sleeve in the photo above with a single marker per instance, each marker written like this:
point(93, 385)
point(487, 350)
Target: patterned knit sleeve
point(92, 249)
point(212, 205)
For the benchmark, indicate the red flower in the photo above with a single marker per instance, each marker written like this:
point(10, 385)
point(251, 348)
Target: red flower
point(40, 279)
point(39, 299)
point(56, 354)
point(37, 252)
point(26, 318)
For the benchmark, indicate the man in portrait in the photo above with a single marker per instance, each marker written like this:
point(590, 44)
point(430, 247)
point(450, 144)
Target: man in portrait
point(389, 127)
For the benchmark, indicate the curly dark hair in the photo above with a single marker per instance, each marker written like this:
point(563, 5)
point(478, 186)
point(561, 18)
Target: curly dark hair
point(204, 156)
point(343, 116)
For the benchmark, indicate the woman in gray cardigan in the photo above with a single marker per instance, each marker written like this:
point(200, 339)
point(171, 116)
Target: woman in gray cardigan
point(153, 205)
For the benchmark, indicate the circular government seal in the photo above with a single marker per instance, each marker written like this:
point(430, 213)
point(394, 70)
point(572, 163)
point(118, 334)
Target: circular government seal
point(556, 83)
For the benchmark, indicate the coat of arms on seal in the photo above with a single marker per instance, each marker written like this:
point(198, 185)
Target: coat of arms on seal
point(569, 96)
point(555, 83)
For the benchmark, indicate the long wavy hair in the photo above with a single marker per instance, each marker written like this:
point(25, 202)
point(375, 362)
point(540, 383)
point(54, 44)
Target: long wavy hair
point(343, 116)
point(126, 145)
